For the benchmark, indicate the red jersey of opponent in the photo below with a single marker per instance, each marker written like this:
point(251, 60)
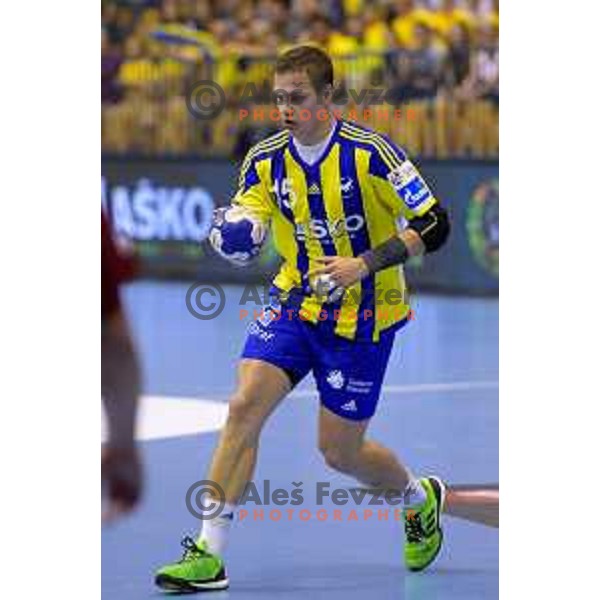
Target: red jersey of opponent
point(117, 267)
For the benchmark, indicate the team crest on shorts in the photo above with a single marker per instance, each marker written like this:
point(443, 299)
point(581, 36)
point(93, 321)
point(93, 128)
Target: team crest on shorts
point(336, 379)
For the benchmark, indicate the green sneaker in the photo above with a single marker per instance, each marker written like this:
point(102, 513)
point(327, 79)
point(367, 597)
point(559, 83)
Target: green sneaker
point(197, 570)
point(422, 526)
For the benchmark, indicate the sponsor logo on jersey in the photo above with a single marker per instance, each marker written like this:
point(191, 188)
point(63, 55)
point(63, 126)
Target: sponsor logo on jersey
point(410, 185)
point(322, 228)
point(347, 186)
point(314, 190)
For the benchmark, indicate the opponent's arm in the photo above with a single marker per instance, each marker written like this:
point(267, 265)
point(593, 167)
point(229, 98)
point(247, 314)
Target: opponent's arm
point(121, 466)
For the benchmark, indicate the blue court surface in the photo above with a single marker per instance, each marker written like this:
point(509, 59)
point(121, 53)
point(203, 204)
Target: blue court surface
point(438, 411)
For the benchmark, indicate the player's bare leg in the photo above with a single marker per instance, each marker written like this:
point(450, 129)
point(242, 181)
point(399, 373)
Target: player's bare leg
point(345, 449)
point(342, 442)
point(261, 386)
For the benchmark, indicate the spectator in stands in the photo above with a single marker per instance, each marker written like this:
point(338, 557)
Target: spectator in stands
point(137, 71)
point(302, 14)
point(377, 36)
point(170, 12)
point(109, 20)
point(483, 79)
point(449, 16)
point(475, 8)
point(123, 23)
point(406, 21)
point(272, 11)
point(421, 67)
point(458, 57)
point(319, 32)
point(111, 63)
point(417, 47)
point(201, 15)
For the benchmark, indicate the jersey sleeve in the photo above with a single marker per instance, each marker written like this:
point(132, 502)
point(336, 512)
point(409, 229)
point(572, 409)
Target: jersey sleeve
point(398, 182)
point(253, 190)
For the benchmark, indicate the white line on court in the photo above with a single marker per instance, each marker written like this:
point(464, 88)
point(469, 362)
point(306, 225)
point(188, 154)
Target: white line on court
point(174, 416)
point(165, 417)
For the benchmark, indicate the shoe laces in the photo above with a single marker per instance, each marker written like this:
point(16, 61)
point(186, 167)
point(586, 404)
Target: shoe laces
point(414, 528)
point(191, 550)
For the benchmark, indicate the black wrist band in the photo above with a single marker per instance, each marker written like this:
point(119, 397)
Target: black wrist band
point(390, 253)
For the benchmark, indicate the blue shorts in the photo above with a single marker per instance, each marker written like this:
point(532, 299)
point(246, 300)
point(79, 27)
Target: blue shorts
point(348, 374)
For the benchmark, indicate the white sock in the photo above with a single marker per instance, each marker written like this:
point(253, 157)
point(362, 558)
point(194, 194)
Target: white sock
point(215, 532)
point(414, 493)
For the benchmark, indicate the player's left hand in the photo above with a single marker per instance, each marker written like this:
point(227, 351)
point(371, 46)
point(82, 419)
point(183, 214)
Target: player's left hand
point(344, 270)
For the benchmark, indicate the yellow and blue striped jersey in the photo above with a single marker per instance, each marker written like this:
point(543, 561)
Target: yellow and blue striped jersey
point(351, 200)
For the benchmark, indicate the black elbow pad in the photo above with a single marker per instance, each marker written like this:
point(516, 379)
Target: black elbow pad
point(433, 227)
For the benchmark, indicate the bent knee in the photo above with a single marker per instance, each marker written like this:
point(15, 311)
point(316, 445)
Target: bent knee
point(340, 459)
point(245, 413)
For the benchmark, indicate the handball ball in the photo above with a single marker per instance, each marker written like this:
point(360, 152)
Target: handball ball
point(236, 234)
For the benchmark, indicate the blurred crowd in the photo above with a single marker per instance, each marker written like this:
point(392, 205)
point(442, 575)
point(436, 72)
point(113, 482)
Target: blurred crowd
point(438, 52)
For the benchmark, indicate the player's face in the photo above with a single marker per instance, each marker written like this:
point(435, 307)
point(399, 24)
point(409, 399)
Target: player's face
point(302, 110)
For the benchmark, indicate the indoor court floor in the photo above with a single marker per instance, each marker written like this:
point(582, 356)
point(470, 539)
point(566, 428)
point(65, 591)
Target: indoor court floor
point(438, 410)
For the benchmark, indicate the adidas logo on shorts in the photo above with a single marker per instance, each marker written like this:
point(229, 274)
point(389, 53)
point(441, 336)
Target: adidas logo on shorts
point(314, 189)
point(349, 406)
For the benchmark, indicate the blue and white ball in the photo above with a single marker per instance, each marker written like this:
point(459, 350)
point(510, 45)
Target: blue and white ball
point(236, 234)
